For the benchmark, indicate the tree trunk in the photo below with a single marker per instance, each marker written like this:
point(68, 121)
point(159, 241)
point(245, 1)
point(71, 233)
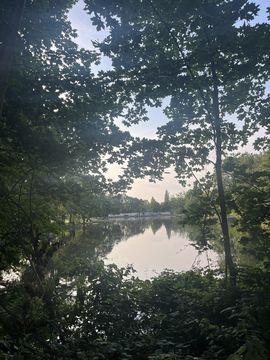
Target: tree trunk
point(7, 48)
point(230, 269)
point(229, 264)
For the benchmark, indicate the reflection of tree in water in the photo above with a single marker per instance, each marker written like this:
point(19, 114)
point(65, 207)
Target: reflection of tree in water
point(155, 225)
point(132, 227)
point(205, 238)
point(204, 234)
point(168, 228)
point(139, 226)
point(100, 236)
point(95, 242)
point(173, 226)
point(98, 240)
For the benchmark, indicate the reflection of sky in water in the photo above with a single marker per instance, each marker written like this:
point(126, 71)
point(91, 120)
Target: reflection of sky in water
point(150, 253)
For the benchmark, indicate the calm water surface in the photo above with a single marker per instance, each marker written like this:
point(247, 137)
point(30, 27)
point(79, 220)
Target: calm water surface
point(153, 245)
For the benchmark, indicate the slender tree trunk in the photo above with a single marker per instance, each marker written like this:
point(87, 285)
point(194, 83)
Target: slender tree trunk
point(229, 264)
point(7, 48)
point(223, 214)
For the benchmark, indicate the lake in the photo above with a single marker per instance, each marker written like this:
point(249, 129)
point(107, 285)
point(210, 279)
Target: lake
point(149, 245)
point(153, 245)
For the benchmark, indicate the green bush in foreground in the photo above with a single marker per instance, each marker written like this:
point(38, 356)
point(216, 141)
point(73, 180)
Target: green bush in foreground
point(106, 313)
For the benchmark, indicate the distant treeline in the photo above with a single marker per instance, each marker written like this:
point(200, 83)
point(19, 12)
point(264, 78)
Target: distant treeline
point(90, 205)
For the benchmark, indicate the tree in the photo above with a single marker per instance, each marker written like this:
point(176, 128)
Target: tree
point(208, 59)
point(11, 19)
point(166, 204)
point(154, 205)
point(56, 123)
point(247, 186)
point(177, 204)
point(166, 197)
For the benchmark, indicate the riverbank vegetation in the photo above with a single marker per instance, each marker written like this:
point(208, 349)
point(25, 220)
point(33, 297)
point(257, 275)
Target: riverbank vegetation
point(58, 136)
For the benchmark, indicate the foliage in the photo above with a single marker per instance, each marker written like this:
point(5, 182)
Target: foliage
point(166, 49)
point(57, 136)
point(201, 57)
point(54, 134)
point(248, 192)
point(106, 313)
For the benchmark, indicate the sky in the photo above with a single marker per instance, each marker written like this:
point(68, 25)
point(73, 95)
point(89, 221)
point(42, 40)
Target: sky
point(142, 188)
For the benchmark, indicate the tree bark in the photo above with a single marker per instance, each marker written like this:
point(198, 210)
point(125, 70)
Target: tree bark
point(229, 264)
point(7, 48)
point(230, 268)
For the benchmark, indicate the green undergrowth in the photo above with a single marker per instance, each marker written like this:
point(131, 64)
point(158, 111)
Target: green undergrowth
point(108, 313)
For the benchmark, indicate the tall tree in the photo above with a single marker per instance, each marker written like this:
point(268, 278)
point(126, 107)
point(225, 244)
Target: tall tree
point(166, 204)
point(166, 197)
point(208, 59)
point(56, 122)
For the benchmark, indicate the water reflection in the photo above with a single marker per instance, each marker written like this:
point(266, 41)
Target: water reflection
point(158, 244)
point(149, 245)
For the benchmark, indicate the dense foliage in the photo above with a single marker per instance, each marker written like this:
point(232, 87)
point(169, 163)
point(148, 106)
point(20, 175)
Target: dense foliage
point(200, 56)
point(70, 306)
point(54, 134)
point(88, 311)
point(247, 191)
point(57, 137)
point(249, 201)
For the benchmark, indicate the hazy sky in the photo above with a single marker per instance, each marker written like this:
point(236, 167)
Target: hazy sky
point(87, 33)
